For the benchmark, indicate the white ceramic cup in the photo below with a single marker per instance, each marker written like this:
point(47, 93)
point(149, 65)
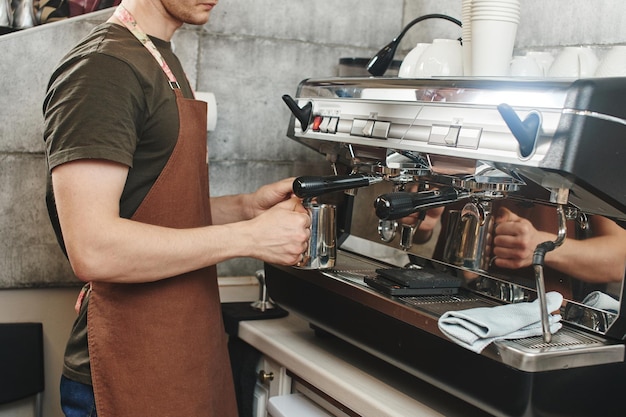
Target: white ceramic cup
point(409, 63)
point(525, 66)
point(492, 46)
point(614, 63)
point(444, 57)
point(543, 58)
point(574, 62)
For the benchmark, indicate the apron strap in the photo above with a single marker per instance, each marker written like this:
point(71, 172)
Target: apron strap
point(124, 16)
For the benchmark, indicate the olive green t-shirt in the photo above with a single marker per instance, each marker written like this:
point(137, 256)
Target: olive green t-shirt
point(109, 99)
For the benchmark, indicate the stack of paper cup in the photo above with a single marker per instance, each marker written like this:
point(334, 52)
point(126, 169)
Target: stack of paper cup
point(466, 20)
point(494, 27)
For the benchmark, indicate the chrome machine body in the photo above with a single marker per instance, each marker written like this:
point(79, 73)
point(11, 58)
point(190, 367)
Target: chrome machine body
point(467, 144)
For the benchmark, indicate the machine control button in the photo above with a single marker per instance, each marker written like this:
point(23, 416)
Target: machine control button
point(324, 125)
point(358, 125)
point(332, 125)
point(381, 130)
point(439, 135)
point(444, 135)
point(368, 128)
point(452, 136)
point(317, 120)
point(469, 137)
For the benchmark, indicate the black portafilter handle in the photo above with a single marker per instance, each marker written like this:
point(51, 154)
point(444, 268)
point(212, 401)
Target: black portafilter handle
point(312, 186)
point(394, 206)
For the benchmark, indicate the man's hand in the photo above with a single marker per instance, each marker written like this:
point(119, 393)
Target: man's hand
point(269, 195)
point(281, 233)
point(515, 240)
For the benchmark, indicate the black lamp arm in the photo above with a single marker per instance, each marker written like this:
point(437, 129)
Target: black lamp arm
point(426, 17)
point(381, 61)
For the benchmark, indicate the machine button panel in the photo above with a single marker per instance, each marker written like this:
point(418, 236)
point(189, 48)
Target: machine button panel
point(324, 125)
point(370, 128)
point(455, 136)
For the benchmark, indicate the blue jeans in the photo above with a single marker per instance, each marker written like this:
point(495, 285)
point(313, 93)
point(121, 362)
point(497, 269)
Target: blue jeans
point(77, 400)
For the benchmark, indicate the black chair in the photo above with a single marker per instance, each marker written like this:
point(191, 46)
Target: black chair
point(21, 362)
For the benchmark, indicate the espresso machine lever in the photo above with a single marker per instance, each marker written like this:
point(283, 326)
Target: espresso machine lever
point(303, 114)
point(525, 131)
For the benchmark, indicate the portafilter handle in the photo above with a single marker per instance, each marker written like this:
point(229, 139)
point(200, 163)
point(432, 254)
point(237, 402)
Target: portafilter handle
point(394, 206)
point(311, 186)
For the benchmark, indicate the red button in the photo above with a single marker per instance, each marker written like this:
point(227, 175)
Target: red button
point(317, 121)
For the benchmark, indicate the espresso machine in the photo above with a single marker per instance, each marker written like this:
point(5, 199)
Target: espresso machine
point(464, 146)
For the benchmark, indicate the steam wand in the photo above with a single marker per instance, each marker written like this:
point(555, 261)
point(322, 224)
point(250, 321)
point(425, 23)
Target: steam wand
point(538, 261)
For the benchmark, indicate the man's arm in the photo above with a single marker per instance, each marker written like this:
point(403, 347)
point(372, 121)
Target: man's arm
point(235, 208)
point(102, 246)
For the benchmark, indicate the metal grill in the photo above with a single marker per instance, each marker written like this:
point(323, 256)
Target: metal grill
point(439, 304)
point(560, 340)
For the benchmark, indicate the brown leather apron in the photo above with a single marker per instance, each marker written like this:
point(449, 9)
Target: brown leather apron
point(160, 349)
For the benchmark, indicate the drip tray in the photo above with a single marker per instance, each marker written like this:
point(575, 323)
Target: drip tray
point(569, 347)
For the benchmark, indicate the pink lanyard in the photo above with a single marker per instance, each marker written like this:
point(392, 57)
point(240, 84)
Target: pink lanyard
point(129, 21)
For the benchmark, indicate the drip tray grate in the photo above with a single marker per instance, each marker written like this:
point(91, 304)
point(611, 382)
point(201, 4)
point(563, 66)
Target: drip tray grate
point(560, 340)
point(439, 304)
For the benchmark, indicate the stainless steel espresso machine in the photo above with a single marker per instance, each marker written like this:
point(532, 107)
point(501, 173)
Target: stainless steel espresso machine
point(402, 147)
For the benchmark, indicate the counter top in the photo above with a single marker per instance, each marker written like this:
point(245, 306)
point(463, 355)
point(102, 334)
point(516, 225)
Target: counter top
point(360, 381)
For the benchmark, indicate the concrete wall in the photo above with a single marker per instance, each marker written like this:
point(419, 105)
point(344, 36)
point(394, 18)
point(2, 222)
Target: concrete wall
point(249, 55)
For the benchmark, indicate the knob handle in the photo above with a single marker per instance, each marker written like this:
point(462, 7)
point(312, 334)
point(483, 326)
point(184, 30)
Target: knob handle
point(303, 114)
point(525, 131)
point(265, 377)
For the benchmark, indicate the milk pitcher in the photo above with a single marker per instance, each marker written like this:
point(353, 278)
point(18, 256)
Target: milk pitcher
point(470, 236)
point(321, 252)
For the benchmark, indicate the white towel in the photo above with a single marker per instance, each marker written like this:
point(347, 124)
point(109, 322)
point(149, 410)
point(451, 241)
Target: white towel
point(475, 328)
point(602, 301)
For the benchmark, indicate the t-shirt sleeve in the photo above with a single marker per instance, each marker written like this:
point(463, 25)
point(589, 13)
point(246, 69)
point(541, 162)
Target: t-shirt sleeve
point(93, 110)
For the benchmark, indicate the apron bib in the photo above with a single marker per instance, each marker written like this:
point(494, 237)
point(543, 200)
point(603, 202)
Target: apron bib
point(159, 348)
